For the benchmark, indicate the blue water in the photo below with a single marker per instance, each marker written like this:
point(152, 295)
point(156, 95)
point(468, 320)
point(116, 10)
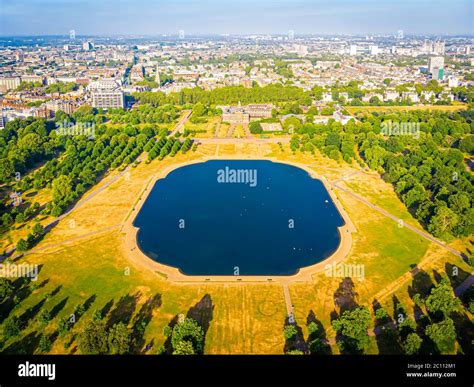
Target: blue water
point(201, 226)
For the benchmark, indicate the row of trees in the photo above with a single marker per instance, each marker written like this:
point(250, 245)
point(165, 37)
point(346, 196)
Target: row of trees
point(434, 331)
point(68, 164)
point(426, 166)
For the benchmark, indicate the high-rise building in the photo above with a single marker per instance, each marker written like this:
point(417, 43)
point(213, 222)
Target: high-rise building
point(436, 67)
point(374, 50)
point(182, 35)
point(439, 47)
point(353, 50)
point(400, 34)
point(72, 34)
point(87, 46)
point(291, 35)
point(427, 47)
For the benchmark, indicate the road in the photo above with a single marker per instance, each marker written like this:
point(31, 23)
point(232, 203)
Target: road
point(78, 205)
point(254, 140)
point(181, 122)
point(414, 229)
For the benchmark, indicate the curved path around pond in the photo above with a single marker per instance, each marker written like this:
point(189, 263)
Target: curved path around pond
point(173, 274)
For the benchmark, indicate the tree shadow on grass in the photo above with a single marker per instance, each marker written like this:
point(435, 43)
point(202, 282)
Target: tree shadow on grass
point(25, 346)
point(124, 309)
point(168, 347)
point(22, 289)
point(464, 332)
point(58, 307)
point(202, 312)
point(141, 321)
point(345, 296)
point(297, 342)
point(455, 274)
point(386, 334)
point(30, 313)
point(317, 342)
point(421, 283)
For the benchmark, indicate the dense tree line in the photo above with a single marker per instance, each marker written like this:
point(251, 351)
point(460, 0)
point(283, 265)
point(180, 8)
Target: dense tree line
point(427, 168)
point(68, 164)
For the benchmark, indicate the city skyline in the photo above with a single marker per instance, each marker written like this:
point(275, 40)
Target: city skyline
point(318, 17)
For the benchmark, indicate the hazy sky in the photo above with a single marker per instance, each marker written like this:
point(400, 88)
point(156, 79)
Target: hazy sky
point(93, 17)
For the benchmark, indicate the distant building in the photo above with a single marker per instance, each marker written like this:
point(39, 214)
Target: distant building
point(108, 99)
point(271, 127)
point(374, 50)
point(436, 67)
point(9, 83)
point(137, 73)
point(106, 84)
point(400, 34)
point(439, 48)
point(157, 75)
point(87, 46)
point(453, 81)
point(353, 50)
point(190, 76)
point(242, 114)
point(32, 78)
point(410, 95)
point(65, 106)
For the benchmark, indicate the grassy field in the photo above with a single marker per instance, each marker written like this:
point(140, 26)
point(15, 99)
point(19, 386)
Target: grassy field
point(83, 262)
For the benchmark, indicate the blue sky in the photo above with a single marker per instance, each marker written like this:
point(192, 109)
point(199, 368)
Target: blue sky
point(150, 17)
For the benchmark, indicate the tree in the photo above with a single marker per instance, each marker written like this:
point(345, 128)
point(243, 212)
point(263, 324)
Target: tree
point(6, 288)
point(467, 144)
point(352, 326)
point(412, 344)
point(442, 299)
point(45, 344)
point(289, 332)
point(119, 339)
point(11, 328)
point(443, 221)
point(38, 229)
point(22, 245)
point(443, 334)
point(93, 341)
point(255, 128)
point(190, 331)
point(62, 188)
point(184, 348)
point(6, 170)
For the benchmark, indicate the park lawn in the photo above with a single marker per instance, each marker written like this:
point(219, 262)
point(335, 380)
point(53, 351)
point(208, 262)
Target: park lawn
point(223, 130)
point(380, 193)
point(239, 132)
point(385, 250)
point(96, 268)
point(125, 192)
point(209, 127)
point(246, 318)
point(10, 238)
